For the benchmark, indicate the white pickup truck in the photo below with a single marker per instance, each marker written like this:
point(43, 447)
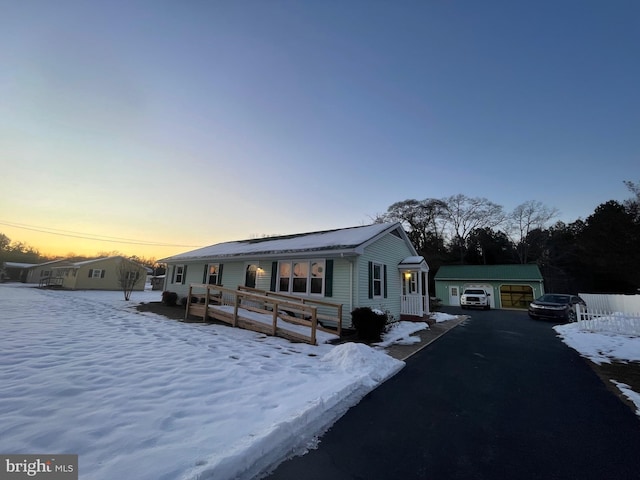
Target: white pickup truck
point(475, 297)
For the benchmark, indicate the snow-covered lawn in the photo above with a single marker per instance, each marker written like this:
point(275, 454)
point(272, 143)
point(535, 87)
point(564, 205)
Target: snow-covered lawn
point(600, 344)
point(138, 396)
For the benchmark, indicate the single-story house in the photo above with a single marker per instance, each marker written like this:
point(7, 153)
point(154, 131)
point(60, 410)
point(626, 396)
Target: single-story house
point(41, 272)
point(374, 266)
point(98, 274)
point(510, 286)
point(15, 271)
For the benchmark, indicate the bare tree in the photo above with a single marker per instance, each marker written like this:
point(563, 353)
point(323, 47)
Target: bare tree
point(419, 218)
point(466, 214)
point(526, 217)
point(129, 275)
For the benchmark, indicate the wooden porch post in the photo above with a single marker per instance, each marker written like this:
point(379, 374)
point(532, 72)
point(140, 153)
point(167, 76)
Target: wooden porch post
point(186, 311)
point(206, 305)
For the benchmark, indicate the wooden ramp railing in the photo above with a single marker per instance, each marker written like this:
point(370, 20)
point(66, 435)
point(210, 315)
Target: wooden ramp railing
point(284, 317)
point(329, 313)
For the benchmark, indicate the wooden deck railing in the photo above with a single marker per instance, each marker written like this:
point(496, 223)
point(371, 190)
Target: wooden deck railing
point(239, 307)
point(51, 282)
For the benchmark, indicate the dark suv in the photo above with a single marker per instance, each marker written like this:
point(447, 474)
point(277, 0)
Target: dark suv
point(556, 306)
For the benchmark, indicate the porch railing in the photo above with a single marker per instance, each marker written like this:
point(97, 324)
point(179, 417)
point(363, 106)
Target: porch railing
point(414, 305)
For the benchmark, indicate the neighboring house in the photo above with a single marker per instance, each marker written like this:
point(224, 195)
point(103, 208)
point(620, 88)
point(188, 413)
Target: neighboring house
point(374, 266)
point(510, 286)
point(41, 272)
point(97, 274)
point(16, 271)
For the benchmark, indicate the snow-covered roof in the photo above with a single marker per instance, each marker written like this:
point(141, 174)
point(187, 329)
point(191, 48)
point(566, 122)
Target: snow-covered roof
point(344, 239)
point(50, 262)
point(18, 265)
point(86, 262)
point(415, 260)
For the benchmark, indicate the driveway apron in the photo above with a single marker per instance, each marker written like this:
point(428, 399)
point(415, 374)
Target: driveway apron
point(498, 397)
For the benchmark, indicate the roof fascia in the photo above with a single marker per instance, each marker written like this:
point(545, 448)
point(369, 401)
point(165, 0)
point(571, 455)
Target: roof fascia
point(344, 253)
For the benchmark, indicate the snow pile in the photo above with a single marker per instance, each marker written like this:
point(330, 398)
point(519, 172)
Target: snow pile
point(604, 347)
point(600, 347)
point(401, 333)
point(140, 396)
point(630, 394)
point(442, 317)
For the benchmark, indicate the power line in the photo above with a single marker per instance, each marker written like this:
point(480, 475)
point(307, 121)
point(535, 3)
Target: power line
point(89, 236)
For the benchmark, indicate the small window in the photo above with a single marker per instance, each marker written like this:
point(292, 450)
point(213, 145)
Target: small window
point(97, 273)
point(213, 274)
point(132, 276)
point(377, 280)
point(179, 274)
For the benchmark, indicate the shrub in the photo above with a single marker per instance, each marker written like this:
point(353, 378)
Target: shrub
point(434, 304)
point(169, 298)
point(369, 324)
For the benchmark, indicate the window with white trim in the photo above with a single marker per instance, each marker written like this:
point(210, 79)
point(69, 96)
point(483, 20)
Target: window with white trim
point(132, 276)
point(96, 273)
point(179, 274)
point(376, 278)
point(301, 277)
point(213, 275)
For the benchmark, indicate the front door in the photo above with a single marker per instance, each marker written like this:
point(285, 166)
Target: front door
point(454, 296)
point(412, 300)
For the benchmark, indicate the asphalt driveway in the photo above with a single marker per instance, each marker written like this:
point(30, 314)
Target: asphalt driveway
point(498, 397)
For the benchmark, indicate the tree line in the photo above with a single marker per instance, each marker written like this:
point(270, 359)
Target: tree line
point(600, 254)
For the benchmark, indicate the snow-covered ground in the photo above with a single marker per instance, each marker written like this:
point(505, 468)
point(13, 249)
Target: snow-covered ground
point(138, 396)
point(606, 339)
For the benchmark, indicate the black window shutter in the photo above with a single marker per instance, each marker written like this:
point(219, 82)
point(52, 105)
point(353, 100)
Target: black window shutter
point(90, 272)
point(274, 276)
point(102, 274)
point(370, 279)
point(204, 275)
point(385, 281)
point(220, 274)
point(184, 274)
point(173, 274)
point(328, 278)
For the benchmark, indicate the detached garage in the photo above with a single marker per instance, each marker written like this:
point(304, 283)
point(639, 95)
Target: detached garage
point(510, 286)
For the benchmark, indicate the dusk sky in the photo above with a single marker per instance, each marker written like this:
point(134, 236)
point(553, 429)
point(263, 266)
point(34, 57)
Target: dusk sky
point(188, 123)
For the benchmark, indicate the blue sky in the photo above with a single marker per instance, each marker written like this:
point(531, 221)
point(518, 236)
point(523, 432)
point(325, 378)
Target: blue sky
point(194, 122)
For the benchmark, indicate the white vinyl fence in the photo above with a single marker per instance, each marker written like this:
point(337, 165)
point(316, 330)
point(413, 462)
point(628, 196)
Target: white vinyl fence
point(610, 313)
